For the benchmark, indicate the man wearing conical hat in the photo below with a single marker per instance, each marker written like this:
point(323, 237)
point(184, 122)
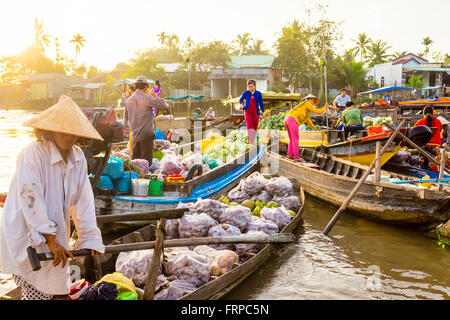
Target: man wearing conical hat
point(139, 116)
point(298, 116)
point(50, 186)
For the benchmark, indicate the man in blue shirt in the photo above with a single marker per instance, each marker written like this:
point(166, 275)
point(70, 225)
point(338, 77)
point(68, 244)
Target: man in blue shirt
point(341, 100)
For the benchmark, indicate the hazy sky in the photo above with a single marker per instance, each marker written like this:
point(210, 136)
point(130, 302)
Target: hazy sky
point(115, 29)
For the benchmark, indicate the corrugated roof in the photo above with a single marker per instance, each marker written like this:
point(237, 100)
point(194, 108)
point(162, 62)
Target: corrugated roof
point(430, 69)
point(260, 61)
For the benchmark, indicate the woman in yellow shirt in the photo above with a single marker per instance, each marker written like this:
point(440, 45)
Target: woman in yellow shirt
point(298, 116)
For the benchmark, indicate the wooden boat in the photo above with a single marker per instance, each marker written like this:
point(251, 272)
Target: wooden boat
point(217, 287)
point(204, 186)
point(331, 179)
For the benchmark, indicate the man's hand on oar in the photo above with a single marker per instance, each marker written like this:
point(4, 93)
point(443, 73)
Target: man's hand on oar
point(60, 254)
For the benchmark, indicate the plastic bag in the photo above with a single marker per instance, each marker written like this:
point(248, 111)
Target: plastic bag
point(135, 265)
point(266, 226)
point(157, 154)
point(280, 186)
point(114, 168)
point(190, 161)
point(189, 205)
point(105, 183)
point(189, 266)
point(238, 216)
point(289, 202)
point(159, 135)
point(223, 230)
point(155, 165)
point(244, 249)
point(142, 164)
point(170, 165)
point(212, 163)
point(171, 228)
point(195, 225)
point(238, 196)
point(254, 184)
point(123, 185)
point(174, 290)
point(221, 261)
point(263, 196)
point(213, 208)
point(279, 216)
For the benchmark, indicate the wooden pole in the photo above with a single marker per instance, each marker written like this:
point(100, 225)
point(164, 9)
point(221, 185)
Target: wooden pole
point(423, 152)
point(150, 283)
point(144, 216)
point(441, 169)
point(360, 183)
point(378, 162)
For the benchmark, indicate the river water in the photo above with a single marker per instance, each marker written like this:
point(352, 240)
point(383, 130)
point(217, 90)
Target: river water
point(359, 260)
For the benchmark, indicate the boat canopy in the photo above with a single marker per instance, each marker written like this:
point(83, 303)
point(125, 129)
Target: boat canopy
point(185, 98)
point(385, 89)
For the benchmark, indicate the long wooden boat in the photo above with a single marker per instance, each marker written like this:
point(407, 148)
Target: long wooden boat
point(206, 186)
point(217, 287)
point(331, 179)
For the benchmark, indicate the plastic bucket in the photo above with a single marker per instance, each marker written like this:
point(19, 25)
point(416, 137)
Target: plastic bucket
point(371, 131)
point(140, 187)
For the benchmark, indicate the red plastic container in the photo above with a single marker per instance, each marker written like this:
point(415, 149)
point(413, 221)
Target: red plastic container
point(371, 131)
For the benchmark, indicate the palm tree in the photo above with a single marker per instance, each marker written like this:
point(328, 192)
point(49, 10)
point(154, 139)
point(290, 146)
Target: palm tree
point(426, 42)
point(41, 39)
point(398, 54)
point(377, 52)
point(355, 76)
point(189, 44)
point(162, 38)
point(242, 41)
point(416, 82)
point(79, 43)
point(256, 48)
point(361, 42)
point(172, 41)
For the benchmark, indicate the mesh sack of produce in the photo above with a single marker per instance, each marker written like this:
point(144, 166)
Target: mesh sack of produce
point(195, 225)
point(189, 205)
point(170, 165)
point(114, 168)
point(254, 184)
point(189, 266)
point(213, 208)
point(171, 228)
point(142, 164)
point(174, 251)
point(238, 196)
point(289, 202)
point(190, 161)
point(222, 230)
point(123, 185)
point(135, 265)
point(266, 226)
point(238, 216)
point(221, 261)
point(174, 290)
point(263, 196)
point(244, 249)
point(280, 186)
point(280, 216)
point(121, 155)
point(105, 183)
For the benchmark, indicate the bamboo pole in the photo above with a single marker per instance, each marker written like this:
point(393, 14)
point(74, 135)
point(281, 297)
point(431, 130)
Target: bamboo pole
point(441, 169)
point(150, 283)
point(360, 183)
point(378, 162)
point(144, 216)
point(423, 152)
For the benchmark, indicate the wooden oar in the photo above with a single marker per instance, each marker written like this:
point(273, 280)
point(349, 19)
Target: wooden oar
point(36, 258)
point(143, 216)
point(423, 152)
point(360, 182)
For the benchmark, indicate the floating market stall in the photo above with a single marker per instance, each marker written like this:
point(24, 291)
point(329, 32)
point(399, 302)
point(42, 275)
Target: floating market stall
point(210, 272)
point(396, 199)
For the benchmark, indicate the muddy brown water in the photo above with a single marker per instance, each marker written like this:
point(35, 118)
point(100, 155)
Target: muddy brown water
point(359, 260)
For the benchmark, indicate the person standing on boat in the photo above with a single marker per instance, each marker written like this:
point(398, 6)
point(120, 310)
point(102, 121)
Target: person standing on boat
point(352, 119)
point(445, 132)
point(156, 93)
point(298, 116)
point(253, 104)
point(50, 186)
point(140, 117)
point(341, 100)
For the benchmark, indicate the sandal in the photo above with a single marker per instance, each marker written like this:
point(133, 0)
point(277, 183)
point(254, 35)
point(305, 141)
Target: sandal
point(301, 160)
point(290, 157)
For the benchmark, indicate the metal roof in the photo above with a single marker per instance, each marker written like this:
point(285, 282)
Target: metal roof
point(429, 69)
point(259, 61)
point(386, 89)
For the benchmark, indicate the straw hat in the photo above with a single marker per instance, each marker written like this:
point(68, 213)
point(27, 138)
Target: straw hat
point(316, 100)
point(65, 117)
point(443, 120)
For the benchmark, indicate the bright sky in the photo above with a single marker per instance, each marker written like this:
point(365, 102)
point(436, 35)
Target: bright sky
point(115, 29)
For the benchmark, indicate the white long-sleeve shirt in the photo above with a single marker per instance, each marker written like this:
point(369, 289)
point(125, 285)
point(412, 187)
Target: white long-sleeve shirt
point(44, 193)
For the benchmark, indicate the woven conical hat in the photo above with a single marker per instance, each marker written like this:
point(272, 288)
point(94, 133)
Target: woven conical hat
point(316, 100)
point(65, 117)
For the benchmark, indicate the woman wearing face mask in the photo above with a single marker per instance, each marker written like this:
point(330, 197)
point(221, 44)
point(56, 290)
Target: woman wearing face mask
point(49, 187)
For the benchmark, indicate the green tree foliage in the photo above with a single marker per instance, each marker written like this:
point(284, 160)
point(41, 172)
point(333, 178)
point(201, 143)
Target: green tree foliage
point(210, 55)
point(398, 54)
point(426, 42)
point(416, 82)
point(378, 52)
point(355, 76)
point(256, 48)
point(362, 41)
point(41, 39)
point(79, 41)
point(242, 44)
point(144, 65)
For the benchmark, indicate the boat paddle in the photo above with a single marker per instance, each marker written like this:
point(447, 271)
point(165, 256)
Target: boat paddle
point(360, 182)
point(36, 258)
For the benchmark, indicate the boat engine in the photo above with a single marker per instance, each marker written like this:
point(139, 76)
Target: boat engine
point(97, 152)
